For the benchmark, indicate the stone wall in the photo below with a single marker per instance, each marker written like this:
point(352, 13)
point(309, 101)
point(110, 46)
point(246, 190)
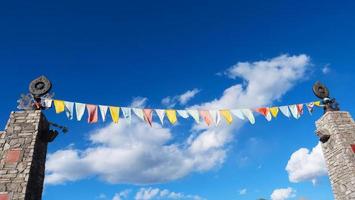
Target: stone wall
point(338, 152)
point(23, 148)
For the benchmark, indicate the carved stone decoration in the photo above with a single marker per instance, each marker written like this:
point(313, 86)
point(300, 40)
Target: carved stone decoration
point(40, 86)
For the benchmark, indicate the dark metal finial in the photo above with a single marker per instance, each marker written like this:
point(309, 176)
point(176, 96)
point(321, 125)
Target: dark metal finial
point(322, 92)
point(39, 89)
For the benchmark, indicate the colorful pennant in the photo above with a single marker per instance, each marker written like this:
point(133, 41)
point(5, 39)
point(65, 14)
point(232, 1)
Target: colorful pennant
point(210, 117)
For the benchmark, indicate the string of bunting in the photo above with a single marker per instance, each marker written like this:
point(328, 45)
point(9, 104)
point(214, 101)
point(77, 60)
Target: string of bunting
point(210, 117)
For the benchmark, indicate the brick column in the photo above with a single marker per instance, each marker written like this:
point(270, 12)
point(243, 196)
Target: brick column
point(23, 149)
point(338, 152)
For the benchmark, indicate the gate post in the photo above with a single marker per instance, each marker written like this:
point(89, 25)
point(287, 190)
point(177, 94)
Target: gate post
point(336, 130)
point(23, 149)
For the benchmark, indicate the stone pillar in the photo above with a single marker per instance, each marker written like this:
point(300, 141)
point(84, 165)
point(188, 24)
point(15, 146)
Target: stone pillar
point(338, 152)
point(23, 149)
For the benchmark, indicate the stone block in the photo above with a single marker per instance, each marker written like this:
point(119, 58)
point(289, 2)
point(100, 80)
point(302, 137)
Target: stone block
point(13, 156)
point(4, 196)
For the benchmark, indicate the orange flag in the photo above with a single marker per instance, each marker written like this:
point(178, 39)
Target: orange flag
point(263, 111)
point(206, 116)
point(92, 113)
point(300, 109)
point(148, 116)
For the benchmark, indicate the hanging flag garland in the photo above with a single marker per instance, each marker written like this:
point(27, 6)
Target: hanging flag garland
point(213, 116)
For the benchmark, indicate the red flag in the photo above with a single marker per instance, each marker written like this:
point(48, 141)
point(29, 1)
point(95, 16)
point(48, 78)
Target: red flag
point(148, 116)
point(206, 116)
point(263, 111)
point(300, 109)
point(353, 147)
point(92, 113)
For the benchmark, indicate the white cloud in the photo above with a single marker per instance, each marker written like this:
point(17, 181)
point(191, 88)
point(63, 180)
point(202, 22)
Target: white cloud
point(156, 193)
point(102, 196)
point(267, 80)
point(326, 69)
point(139, 102)
point(304, 165)
point(181, 99)
point(283, 194)
point(243, 191)
point(121, 195)
point(130, 153)
point(123, 153)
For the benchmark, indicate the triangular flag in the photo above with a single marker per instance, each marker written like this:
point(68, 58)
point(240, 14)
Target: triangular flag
point(183, 113)
point(103, 111)
point(285, 111)
point(47, 103)
point(249, 114)
point(353, 147)
point(69, 106)
point(310, 107)
point(171, 114)
point(148, 116)
point(115, 113)
point(206, 116)
point(194, 114)
point(294, 111)
point(161, 115)
point(80, 109)
point(126, 113)
point(265, 112)
point(59, 106)
point(274, 111)
point(139, 113)
point(300, 109)
point(227, 116)
point(317, 103)
point(216, 116)
point(238, 113)
point(92, 113)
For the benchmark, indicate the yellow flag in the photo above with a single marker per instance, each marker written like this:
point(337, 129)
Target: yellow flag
point(227, 115)
point(59, 106)
point(171, 114)
point(115, 112)
point(274, 111)
point(317, 103)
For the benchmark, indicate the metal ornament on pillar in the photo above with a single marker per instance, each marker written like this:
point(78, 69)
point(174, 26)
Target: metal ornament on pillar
point(322, 92)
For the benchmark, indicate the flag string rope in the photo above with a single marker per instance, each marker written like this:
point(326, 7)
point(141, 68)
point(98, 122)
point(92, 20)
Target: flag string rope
point(210, 116)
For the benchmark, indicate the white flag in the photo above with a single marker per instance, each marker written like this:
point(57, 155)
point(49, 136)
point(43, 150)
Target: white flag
point(268, 116)
point(80, 109)
point(216, 116)
point(126, 113)
point(194, 114)
point(285, 111)
point(183, 113)
point(238, 113)
point(294, 111)
point(161, 114)
point(139, 113)
point(69, 109)
point(103, 111)
point(47, 103)
point(310, 107)
point(249, 114)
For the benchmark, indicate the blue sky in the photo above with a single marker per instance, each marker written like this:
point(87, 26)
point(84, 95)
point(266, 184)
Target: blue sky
point(117, 52)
